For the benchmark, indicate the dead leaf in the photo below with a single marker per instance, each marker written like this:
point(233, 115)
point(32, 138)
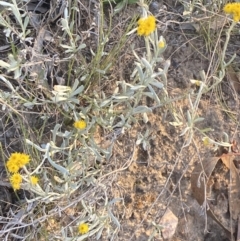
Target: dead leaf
point(233, 78)
point(169, 221)
point(234, 191)
point(226, 158)
point(238, 233)
point(199, 179)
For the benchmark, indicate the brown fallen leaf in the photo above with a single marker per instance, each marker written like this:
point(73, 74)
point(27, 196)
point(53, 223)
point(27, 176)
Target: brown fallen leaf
point(234, 190)
point(199, 179)
point(233, 79)
point(238, 233)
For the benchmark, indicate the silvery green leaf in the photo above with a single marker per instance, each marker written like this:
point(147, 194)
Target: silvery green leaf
point(36, 146)
point(147, 65)
point(135, 54)
point(100, 71)
point(137, 87)
point(144, 145)
point(58, 98)
point(55, 131)
point(105, 102)
point(160, 59)
point(65, 46)
point(134, 73)
point(145, 118)
point(116, 90)
point(129, 85)
point(10, 86)
point(167, 65)
point(113, 218)
point(154, 94)
point(13, 63)
point(99, 234)
point(199, 119)
point(120, 6)
point(4, 64)
point(71, 106)
point(140, 72)
point(30, 104)
point(6, 4)
point(83, 77)
point(74, 100)
point(61, 169)
point(149, 94)
point(121, 97)
point(58, 179)
point(65, 26)
point(189, 118)
point(189, 139)
point(26, 21)
point(109, 152)
point(95, 150)
point(175, 123)
point(81, 46)
point(70, 50)
point(65, 107)
point(142, 109)
point(184, 131)
point(154, 75)
point(164, 79)
point(114, 200)
point(190, 102)
point(157, 84)
point(119, 124)
point(138, 142)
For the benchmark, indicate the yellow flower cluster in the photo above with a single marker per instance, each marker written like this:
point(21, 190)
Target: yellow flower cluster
point(234, 9)
point(14, 163)
point(17, 161)
point(83, 228)
point(81, 124)
point(146, 26)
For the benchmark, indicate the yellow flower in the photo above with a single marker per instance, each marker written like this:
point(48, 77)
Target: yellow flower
point(206, 141)
point(146, 25)
point(228, 8)
point(81, 124)
point(12, 166)
point(24, 159)
point(234, 9)
point(236, 17)
point(83, 228)
point(34, 180)
point(16, 180)
point(161, 44)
